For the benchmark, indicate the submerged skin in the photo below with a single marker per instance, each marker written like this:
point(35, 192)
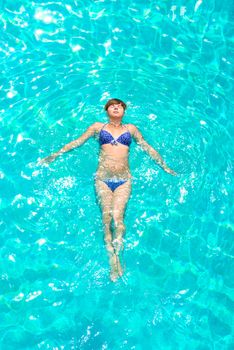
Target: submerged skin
point(113, 163)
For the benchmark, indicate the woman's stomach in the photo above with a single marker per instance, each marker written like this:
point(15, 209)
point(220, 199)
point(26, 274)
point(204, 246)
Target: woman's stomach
point(113, 167)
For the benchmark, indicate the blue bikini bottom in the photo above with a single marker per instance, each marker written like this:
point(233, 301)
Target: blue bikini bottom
point(113, 184)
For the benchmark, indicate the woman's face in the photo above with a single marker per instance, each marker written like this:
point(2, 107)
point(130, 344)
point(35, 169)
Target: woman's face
point(115, 111)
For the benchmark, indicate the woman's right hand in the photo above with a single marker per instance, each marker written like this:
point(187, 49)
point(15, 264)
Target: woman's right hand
point(48, 159)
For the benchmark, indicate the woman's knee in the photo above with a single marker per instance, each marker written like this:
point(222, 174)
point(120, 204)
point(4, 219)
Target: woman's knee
point(117, 217)
point(108, 242)
point(106, 217)
point(108, 238)
point(119, 223)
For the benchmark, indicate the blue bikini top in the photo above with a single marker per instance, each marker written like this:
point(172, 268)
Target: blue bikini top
point(105, 137)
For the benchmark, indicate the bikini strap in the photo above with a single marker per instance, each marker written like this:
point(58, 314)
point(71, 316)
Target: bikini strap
point(108, 123)
point(126, 128)
point(103, 127)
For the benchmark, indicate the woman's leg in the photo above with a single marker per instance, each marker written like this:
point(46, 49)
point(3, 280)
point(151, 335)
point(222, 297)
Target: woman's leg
point(120, 199)
point(105, 198)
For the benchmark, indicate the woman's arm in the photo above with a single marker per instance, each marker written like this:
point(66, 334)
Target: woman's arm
point(150, 150)
point(92, 129)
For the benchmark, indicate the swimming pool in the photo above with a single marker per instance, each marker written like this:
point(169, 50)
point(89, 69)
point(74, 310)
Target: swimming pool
point(171, 61)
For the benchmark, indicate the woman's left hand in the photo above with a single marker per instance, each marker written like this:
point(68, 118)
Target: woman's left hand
point(170, 171)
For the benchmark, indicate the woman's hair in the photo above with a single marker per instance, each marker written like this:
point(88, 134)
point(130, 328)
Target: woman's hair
point(114, 101)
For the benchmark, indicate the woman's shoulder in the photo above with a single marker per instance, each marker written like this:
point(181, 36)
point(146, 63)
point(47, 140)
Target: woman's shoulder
point(97, 126)
point(131, 127)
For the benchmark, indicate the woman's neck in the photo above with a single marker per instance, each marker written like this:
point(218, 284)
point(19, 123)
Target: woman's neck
point(116, 124)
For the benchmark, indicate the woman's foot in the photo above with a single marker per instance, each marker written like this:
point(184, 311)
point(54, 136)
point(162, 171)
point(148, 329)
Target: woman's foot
point(118, 248)
point(120, 269)
point(114, 271)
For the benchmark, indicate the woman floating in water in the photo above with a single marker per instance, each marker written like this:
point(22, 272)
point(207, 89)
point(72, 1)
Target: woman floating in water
point(113, 178)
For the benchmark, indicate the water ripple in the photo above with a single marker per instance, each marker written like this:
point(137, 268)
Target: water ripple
point(171, 63)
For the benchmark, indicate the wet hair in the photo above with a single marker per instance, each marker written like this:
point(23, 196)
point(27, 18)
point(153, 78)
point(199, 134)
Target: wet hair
point(114, 101)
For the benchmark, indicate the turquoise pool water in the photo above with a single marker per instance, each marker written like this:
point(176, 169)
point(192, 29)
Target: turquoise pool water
point(172, 62)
